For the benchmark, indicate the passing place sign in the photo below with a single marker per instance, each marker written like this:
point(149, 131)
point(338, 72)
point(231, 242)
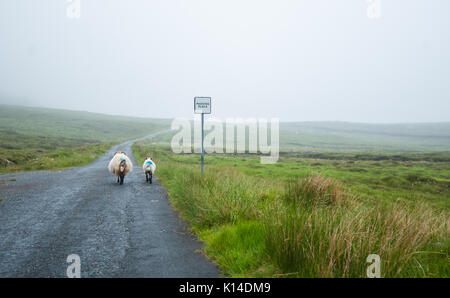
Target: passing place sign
point(202, 105)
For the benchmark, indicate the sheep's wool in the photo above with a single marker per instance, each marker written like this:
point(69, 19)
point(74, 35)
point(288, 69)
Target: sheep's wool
point(115, 162)
point(149, 166)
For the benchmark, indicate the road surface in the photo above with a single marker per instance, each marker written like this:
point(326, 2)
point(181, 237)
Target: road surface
point(118, 231)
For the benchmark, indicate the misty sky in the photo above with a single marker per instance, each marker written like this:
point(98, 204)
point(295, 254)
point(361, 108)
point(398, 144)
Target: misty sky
point(296, 60)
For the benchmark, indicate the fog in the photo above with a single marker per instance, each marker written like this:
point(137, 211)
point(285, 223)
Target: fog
point(295, 60)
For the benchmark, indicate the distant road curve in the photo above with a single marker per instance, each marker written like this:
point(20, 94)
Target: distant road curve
point(118, 231)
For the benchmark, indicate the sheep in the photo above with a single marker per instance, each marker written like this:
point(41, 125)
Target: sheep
point(149, 168)
point(120, 165)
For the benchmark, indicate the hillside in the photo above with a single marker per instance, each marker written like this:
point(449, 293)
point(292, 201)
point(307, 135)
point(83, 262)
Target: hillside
point(39, 138)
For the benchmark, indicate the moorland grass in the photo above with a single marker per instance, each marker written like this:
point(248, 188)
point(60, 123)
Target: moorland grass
point(49, 139)
point(312, 225)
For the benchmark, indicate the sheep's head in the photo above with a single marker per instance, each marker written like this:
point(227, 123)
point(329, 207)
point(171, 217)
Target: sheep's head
point(122, 166)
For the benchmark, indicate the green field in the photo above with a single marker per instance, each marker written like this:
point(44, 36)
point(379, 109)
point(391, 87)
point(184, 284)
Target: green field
point(339, 192)
point(360, 137)
point(37, 138)
point(316, 213)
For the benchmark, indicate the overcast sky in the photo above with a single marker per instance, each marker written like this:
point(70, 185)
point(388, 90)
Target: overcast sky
point(296, 60)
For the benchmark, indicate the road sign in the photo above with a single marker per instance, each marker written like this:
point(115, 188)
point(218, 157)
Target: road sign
point(202, 105)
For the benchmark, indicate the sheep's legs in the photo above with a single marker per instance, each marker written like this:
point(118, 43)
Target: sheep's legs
point(148, 177)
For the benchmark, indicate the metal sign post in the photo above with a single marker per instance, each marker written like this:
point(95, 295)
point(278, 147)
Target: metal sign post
point(202, 105)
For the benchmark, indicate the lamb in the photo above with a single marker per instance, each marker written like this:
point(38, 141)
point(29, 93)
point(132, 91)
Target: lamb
point(120, 165)
point(149, 168)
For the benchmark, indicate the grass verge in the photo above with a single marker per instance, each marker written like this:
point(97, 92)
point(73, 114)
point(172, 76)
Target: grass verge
point(310, 226)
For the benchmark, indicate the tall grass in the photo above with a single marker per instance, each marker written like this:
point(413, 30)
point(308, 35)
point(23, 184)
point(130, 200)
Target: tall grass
point(309, 227)
point(325, 232)
point(315, 191)
point(214, 199)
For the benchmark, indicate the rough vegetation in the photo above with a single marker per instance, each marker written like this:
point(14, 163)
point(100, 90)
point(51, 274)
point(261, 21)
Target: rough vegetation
point(38, 139)
point(309, 217)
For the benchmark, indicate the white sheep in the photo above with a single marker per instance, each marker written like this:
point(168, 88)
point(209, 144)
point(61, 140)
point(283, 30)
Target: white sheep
point(120, 165)
point(149, 168)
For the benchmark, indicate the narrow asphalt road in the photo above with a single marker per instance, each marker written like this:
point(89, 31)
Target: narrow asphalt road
point(118, 231)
